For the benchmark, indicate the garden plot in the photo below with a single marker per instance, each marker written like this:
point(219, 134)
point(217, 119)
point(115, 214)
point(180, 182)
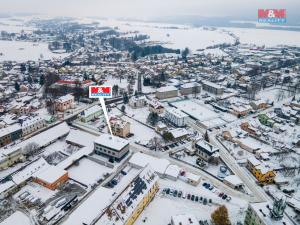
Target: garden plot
point(88, 172)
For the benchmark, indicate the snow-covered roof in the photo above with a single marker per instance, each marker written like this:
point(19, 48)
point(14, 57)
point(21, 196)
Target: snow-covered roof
point(10, 129)
point(65, 98)
point(92, 207)
point(207, 146)
point(50, 174)
point(211, 84)
point(178, 132)
point(91, 110)
point(80, 138)
point(263, 212)
point(254, 161)
point(47, 136)
point(166, 89)
point(172, 170)
point(128, 200)
point(141, 160)
point(192, 176)
point(114, 142)
point(5, 186)
point(176, 112)
point(30, 170)
point(30, 121)
point(190, 85)
point(233, 179)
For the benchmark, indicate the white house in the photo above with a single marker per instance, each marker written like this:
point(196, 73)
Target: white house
point(30, 125)
point(176, 116)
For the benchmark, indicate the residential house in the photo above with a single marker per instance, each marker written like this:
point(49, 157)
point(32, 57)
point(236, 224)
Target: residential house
point(30, 125)
point(119, 127)
point(156, 107)
point(178, 134)
point(176, 116)
point(10, 134)
point(262, 173)
point(138, 102)
point(10, 156)
point(259, 104)
point(249, 129)
point(206, 151)
point(65, 102)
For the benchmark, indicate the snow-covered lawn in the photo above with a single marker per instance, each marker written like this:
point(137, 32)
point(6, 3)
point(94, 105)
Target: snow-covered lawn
point(141, 132)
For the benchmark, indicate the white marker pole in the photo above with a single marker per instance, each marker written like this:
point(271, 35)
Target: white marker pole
point(102, 102)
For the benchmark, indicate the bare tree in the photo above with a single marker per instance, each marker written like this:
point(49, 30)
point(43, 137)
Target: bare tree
point(30, 149)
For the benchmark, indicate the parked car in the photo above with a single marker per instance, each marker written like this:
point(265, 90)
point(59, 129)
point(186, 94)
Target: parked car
point(196, 199)
point(205, 201)
point(200, 199)
point(175, 193)
point(189, 196)
point(221, 194)
point(193, 197)
point(168, 191)
point(211, 188)
point(228, 199)
point(224, 197)
point(179, 194)
point(204, 184)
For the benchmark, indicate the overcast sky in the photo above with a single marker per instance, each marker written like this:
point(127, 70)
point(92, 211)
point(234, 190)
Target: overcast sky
point(146, 9)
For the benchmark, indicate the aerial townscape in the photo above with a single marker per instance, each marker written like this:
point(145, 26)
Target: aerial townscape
point(205, 123)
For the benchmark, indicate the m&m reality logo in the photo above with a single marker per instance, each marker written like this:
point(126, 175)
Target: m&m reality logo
point(272, 16)
point(100, 91)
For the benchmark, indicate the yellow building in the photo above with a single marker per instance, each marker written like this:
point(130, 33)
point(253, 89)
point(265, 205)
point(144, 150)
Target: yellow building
point(10, 156)
point(131, 202)
point(262, 173)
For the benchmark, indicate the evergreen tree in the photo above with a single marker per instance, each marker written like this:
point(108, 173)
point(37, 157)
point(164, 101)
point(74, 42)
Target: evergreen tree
point(220, 216)
point(17, 86)
point(123, 108)
point(167, 136)
point(125, 98)
point(42, 80)
point(153, 118)
point(206, 137)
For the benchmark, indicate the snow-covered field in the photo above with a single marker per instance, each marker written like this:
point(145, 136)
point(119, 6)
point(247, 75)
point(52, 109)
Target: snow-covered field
point(23, 51)
point(173, 36)
point(266, 37)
